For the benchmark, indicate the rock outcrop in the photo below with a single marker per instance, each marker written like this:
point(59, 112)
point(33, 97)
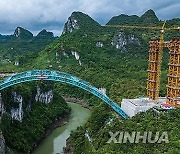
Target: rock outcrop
point(70, 25)
point(44, 97)
point(22, 33)
point(99, 44)
point(16, 112)
point(121, 40)
point(79, 20)
point(2, 144)
point(77, 56)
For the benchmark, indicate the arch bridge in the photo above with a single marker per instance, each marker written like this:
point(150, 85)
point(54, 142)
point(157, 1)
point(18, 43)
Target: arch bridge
point(51, 75)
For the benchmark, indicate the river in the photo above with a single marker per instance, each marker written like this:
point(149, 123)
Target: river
point(55, 142)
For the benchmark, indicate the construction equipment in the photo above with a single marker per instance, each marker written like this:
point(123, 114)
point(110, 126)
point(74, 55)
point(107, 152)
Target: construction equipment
point(154, 66)
point(173, 87)
point(155, 61)
point(144, 27)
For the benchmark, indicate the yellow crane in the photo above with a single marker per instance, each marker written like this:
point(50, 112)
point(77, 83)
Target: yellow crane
point(144, 27)
point(157, 64)
point(155, 61)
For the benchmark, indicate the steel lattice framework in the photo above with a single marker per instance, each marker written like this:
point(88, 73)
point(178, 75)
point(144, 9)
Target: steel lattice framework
point(51, 75)
point(155, 61)
point(154, 71)
point(173, 87)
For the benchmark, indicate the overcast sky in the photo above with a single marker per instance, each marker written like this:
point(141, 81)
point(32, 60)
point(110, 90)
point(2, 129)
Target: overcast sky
point(36, 15)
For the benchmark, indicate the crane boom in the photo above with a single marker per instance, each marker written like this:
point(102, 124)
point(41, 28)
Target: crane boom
point(144, 27)
point(159, 62)
point(155, 62)
point(154, 66)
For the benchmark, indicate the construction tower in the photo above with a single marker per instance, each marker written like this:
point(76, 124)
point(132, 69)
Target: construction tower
point(152, 84)
point(173, 87)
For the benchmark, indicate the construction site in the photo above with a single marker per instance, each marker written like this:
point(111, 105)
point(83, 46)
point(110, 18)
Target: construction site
point(172, 98)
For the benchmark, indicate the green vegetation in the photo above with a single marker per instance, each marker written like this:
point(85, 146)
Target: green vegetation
point(99, 132)
point(22, 136)
point(149, 18)
point(22, 43)
point(122, 72)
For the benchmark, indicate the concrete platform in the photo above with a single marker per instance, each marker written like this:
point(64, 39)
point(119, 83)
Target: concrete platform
point(134, 106)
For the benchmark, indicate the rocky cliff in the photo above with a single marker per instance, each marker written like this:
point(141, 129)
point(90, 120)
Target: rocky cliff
point(79, 20)
point(70, 25)
point(22, 33)
point(121, 40)
point(44, 97)
point(20, 104)
point(2, 144)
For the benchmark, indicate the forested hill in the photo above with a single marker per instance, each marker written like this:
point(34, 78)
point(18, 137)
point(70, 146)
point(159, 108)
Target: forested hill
point(149, 18)
point(22, 43)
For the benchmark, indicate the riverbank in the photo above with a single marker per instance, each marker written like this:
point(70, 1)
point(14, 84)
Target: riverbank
point(69, 148)
point(61, 121)
point(81, 102)
point(56, 141)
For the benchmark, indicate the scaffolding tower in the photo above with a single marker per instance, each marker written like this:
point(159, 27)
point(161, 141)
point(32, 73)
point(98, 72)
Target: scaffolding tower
point(154, 71)
point(153, 74)
point(155, 61)
point(173, 87)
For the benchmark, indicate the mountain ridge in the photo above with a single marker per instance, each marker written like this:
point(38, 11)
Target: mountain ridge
point(83, 35)
point(21, 43)
point(20, 31)
point(147, 18)
point(44, 33)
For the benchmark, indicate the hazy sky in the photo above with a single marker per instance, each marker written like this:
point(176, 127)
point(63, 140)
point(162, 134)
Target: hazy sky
point(36, 15)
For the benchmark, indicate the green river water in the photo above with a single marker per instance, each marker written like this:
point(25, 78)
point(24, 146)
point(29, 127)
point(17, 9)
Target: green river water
point(55, 142)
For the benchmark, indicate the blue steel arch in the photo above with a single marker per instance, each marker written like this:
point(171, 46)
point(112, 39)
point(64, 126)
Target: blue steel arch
point(51, 75)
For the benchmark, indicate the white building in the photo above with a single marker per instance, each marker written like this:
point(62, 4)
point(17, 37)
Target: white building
point(133, 106)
